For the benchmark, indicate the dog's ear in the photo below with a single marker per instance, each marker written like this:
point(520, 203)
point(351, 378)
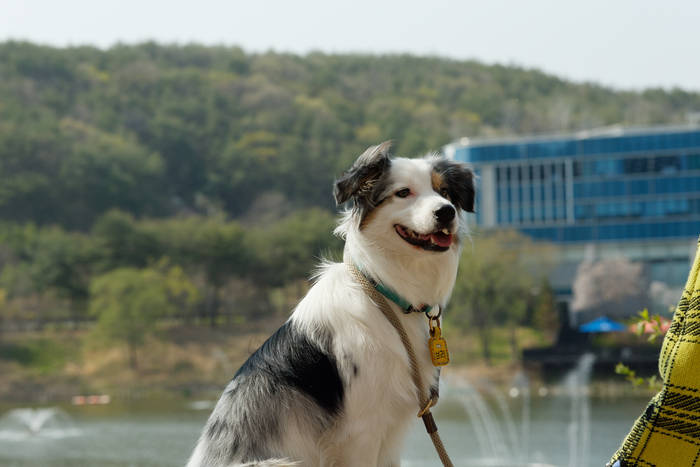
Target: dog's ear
point(459, 181)
point(359, 181)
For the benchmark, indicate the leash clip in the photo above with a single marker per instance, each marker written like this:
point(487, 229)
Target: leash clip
point(425, 410)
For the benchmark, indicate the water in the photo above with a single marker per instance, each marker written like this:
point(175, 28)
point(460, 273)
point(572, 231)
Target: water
point(548, 435)
point(152, 434)
point(576, 383)
point(472, 425)
point(49, 423)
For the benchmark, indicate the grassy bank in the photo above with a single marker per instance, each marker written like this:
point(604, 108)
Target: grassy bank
point(55, 366)
point(190, 361)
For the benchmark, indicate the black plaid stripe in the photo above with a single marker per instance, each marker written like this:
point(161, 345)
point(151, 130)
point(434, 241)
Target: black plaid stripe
point(692, 321)
point(632, 440)
point(679, 401)
point(679, 416)
point(691, 418)
point(675, 411)
point(644, 422)
point(682, 428)
point(635, 462)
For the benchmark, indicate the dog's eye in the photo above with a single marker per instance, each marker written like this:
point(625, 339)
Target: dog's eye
point(403, 193)
point(443, 193)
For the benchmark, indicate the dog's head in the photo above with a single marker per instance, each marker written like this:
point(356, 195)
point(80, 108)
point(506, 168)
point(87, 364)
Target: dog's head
point(406, 203)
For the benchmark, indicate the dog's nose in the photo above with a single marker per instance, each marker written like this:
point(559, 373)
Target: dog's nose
point(445, 213)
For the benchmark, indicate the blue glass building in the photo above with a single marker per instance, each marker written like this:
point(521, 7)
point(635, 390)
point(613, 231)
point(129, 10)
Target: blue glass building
point(628, 191)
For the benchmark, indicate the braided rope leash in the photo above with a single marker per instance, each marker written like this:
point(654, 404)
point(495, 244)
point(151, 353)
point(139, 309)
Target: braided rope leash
point(425, 401)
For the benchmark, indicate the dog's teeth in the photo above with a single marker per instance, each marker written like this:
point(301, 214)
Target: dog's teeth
point(432, 239)
point(445, 231)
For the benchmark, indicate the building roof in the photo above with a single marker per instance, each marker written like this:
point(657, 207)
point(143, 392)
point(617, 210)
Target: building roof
point(615, 139)
point(616, 130)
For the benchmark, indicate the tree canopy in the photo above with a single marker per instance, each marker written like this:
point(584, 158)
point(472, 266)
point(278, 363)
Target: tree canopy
point(129, 302)
point(497, 284)
point(155, 130)
point(220, 163)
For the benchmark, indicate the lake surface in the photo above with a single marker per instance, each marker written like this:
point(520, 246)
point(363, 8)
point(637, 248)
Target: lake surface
point(477, 430)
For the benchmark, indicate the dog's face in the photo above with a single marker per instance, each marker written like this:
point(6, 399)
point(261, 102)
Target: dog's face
point(407, 203)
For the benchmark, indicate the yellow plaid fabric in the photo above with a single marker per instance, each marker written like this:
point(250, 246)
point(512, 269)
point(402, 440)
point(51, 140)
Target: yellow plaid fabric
point(668, 433)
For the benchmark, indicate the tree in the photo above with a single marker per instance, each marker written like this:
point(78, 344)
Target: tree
point(614, 287)
point(147, 128)
point(212, 246)
point(106, 171)
point(291, 248)
point(494, 283)
point(545, 315)
point(45, 272)
point(121, 241)
point(62, 262)
point(129, 303)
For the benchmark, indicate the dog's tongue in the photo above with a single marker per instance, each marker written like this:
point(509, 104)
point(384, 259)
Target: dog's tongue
point(441, 239)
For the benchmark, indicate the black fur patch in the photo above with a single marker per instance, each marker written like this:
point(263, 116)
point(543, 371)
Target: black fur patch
point(290, 358)
point(365, 182)
point(217, 428)
point(275, 384)
point(458, 179)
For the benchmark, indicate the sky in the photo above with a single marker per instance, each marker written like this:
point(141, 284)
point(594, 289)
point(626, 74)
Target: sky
point(623, 44)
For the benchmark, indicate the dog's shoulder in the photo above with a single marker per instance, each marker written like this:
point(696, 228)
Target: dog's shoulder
point(294, 357)
point(334, 292)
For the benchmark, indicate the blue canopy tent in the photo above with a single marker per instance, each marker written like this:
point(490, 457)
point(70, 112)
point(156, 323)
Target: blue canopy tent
point(602, 324)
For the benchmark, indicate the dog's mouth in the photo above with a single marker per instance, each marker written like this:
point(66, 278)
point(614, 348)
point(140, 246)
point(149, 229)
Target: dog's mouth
point(436, 241)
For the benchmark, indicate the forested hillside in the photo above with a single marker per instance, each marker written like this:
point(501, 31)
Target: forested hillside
point(148, 186)
point(158, 130)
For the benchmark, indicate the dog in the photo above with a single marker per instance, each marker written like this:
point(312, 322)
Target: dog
point(333, 385)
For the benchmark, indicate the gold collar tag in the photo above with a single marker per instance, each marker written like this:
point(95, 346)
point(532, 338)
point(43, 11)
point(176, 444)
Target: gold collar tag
point(438, 345)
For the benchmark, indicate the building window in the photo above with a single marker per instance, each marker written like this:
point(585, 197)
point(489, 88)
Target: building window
point(667, 164)
point(635, 165)
point(639, 187)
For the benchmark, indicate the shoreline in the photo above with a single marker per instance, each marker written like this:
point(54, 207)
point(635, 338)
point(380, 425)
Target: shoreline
point(196, 362)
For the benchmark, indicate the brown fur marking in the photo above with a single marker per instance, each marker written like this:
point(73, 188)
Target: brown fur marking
point(369, 217)
point(436, 181)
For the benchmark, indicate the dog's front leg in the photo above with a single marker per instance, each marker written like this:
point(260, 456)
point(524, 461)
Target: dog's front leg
point(361, 451)
point(390, 450)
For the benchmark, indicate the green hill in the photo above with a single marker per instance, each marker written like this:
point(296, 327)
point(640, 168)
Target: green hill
point(164, 187)
point(155, 130)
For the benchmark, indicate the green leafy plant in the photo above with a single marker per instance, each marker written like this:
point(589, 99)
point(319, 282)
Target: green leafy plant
point(642, 322)
point(129, 303)
point(645, 319)
point(631, 376)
